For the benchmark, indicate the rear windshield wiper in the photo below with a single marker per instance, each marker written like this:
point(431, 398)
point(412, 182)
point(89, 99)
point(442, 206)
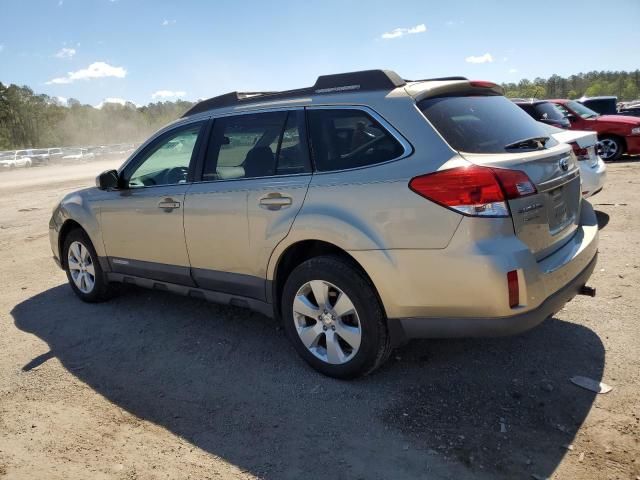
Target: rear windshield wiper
point(535, 143)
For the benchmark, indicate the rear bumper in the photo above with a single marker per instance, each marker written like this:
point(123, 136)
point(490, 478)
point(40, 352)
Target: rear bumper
point(462, 290)
point(407, 328)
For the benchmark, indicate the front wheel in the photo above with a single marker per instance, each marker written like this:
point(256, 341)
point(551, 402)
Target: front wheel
point(611, 148)
point(334, 319)
point(84, 273)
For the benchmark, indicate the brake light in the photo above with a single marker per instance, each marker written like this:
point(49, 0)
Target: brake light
point(580, 153)
point(514, 288)
point(474, 190)
point(482, 84)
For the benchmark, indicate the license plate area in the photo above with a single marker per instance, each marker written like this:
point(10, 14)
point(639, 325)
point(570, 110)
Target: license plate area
point(558, 211)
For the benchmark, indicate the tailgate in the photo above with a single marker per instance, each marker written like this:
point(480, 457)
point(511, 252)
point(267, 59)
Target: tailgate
point(546, 220)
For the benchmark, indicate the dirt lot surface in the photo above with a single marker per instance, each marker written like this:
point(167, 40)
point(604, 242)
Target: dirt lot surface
point(155, 386)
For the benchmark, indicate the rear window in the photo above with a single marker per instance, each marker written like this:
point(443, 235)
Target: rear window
point(349, 138)
point(481, 124)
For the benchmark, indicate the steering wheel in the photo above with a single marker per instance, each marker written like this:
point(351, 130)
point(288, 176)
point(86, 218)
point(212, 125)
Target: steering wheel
point(175, 175)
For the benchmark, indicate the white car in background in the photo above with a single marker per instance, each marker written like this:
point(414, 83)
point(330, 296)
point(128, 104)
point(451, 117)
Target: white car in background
point(14, 159)
point(593, 171)
point(77, 154)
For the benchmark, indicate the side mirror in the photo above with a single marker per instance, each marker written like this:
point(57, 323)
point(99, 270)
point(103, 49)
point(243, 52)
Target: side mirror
point(107, 180)
point(571, 117)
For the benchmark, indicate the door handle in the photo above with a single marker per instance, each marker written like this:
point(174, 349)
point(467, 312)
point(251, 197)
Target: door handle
point(168, 204)
point(275, 201)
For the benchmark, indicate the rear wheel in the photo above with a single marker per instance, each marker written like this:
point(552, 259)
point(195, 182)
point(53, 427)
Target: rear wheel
point(334, 319)
point(611, 148)
point(83, 269)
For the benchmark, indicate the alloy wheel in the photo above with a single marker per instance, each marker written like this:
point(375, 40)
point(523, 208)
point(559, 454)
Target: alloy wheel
point(327, 322)
point(608, 148)
point(81, 267)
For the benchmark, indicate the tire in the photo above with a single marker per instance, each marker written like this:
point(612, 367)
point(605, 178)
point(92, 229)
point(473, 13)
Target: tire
point(611, 148)
point(89, 266)
point(325, 330)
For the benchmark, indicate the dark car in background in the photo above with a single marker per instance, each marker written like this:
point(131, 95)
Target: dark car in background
point(545, 112)
point(604, 105)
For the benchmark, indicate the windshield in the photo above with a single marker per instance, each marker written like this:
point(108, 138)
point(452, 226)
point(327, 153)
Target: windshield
point(581, 110)
point(484, 124)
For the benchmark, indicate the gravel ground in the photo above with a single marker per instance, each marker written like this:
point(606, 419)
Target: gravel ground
point(155, 386)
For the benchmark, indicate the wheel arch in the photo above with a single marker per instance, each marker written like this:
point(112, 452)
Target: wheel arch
point(67, 227)
point(300, 251)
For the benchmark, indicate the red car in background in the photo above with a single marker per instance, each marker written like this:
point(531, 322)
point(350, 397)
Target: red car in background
point(617, 134)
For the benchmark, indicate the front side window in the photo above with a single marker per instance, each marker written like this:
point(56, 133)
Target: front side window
point(256, 145)
point(349, 138)
point(482, 124)
point(167, 162)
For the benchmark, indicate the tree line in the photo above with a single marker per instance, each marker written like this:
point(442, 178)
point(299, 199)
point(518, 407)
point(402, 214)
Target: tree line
point(624, 85)
point(31, 120)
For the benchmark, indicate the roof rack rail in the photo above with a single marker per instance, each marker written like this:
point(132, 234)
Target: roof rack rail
point(365, 80)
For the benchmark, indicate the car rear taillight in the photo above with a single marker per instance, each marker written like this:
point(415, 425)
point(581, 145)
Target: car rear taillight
point(514, 288)
point(482, 84)
point(474, 190)
point(580, 153)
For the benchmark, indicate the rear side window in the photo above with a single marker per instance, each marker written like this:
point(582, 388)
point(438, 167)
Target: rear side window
point(256, 145)
point(349, 138)
point(548, 111)
point(481, 124)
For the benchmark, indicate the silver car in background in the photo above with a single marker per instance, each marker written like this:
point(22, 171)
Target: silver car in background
point(363, 211)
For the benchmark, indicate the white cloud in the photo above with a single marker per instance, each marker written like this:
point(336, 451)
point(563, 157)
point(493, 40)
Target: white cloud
point(167, 94)
point(95, 70)
point(486, 58)
point(65, 53)
point(117, 100)
point(166, 22)
point(61, 100)
point(513, 70)
point(401, 32)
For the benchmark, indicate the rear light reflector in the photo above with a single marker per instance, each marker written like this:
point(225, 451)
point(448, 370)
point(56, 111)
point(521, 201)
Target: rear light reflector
point(482, 84)
point(514, 288)
point(580, 153)
point(474, 190)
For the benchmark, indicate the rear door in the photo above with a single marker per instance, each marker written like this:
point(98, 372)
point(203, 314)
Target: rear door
point(492, 131)
point(253, 183)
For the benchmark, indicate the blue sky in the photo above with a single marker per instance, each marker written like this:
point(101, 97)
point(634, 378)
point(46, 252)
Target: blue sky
point(142, 50)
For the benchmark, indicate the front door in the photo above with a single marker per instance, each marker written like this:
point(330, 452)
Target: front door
point(254, 182)
point(142, 222)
